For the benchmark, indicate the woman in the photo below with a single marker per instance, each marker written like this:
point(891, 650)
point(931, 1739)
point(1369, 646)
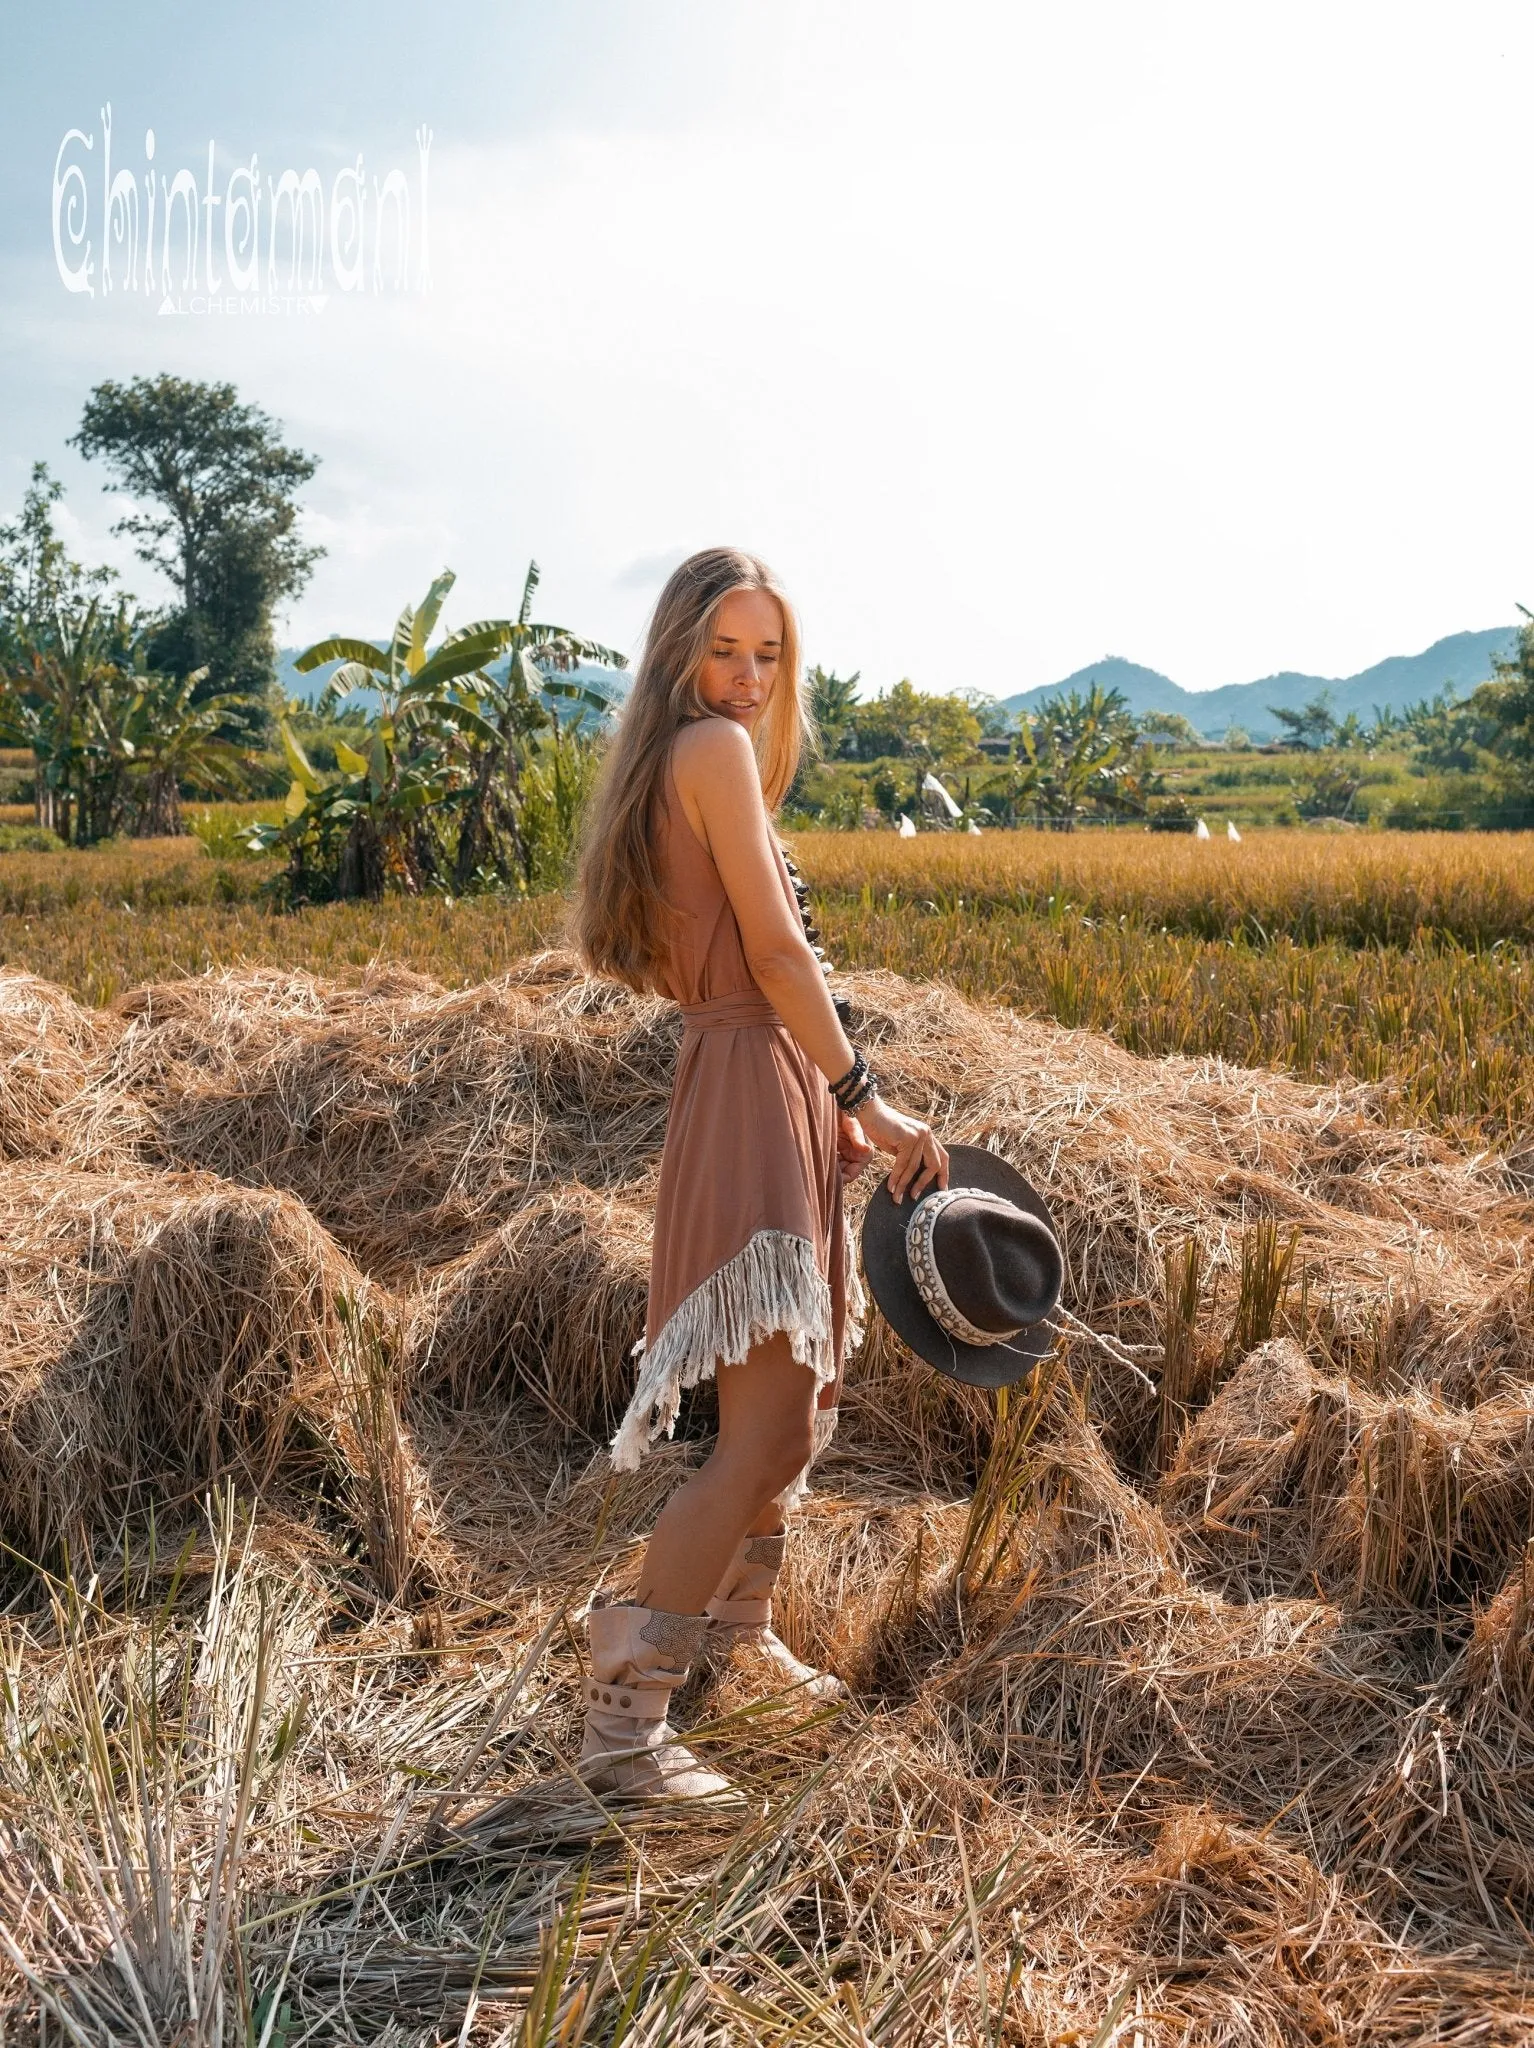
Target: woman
point(684, 889)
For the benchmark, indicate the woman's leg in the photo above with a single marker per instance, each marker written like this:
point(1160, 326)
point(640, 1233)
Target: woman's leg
point(766, 1438)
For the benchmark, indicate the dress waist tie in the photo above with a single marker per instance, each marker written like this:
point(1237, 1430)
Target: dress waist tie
point(728, 1012)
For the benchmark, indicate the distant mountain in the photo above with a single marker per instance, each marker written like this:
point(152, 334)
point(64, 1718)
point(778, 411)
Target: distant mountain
point(1457, 663)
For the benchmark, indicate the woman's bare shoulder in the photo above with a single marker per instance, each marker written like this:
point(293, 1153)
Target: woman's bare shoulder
point(707, 747)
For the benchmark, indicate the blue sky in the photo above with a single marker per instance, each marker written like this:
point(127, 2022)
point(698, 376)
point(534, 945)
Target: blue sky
point(1012, 336)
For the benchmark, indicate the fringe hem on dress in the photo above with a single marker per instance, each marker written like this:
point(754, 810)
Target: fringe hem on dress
point(856, 1300)
point(772, 1283)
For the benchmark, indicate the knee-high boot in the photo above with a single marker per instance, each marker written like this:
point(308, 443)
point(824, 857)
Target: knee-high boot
point(741, 1613)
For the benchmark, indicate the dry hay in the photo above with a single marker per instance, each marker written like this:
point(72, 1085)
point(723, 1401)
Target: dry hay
point(1231, 1757)
point(1407, 1240)
point(1094, 1656)
point(545, 1310)
point(1456, 1796)
point(1289, 1476)
point(413, 1121)
point(158, 1333)
point(50, 1050)
point(1217, 1904)
point(410, 1120)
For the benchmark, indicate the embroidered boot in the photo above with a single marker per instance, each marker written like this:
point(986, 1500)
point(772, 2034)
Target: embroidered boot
point(639, 1656)
point(741, 1613)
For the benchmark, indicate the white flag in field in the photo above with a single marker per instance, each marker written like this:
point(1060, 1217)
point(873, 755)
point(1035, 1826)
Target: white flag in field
point(1231, 832)
point(1201, 830)
point(932, 787)
point(904, 827)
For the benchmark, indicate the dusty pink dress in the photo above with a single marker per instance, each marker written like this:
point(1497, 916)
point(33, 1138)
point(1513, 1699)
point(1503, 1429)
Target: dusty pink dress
point(750, 1236)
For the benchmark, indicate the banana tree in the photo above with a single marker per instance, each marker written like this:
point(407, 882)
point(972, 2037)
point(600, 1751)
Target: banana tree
point(48, 701)
point(495, 832)
point(449, 734)
point(1077, 750)
point(175, 740)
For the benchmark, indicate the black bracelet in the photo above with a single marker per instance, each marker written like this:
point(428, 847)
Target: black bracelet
point(851, 1078)
point(855, 1086)
point(851, 1104)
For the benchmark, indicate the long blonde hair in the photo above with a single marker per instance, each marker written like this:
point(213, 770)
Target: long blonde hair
point(620, 923)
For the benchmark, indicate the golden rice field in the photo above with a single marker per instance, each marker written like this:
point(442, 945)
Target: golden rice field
point(1361, 888)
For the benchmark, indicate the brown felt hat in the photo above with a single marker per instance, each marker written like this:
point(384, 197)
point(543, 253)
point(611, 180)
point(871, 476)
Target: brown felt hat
point(967, 1275)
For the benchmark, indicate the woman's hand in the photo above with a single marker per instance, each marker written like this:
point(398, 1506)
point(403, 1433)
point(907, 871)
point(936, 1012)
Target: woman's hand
point(920, 1155)
point(852, 1148)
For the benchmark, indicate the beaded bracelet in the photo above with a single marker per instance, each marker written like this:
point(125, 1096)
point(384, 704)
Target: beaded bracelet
point(853, 1079)
point(851, 1104)
point(855, 1086)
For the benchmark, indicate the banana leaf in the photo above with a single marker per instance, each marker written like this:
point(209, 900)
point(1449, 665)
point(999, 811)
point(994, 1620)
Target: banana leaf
point(581, 693)
point(426, 617)
point(297, 759)
point(537, 635)
point(340, 647)
point(507, 630)
point(399, 646)
point(352, 675)
point(461, 717)
point(456, 660)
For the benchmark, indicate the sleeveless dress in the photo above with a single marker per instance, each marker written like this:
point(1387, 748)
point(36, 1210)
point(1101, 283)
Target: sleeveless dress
point(750, 1236)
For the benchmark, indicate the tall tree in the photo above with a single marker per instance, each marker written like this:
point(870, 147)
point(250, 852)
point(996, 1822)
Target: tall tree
point(907, 721)
point(1314, 726)
point(218, 517)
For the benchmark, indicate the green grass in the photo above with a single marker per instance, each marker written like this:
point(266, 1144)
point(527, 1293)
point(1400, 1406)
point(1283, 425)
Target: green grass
point(29, 839)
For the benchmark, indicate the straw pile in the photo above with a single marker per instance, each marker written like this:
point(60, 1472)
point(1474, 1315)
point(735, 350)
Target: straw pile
point(49, 1050)
point(161, 1333)
point(1288, 1475)
point(1192, 1702)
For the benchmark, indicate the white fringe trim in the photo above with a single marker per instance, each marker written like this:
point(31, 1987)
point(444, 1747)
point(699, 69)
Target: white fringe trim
point(771, 1284)
point(852, 1286)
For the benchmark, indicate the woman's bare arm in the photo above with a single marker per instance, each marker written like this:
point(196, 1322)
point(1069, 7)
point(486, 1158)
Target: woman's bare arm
point(717, 780)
